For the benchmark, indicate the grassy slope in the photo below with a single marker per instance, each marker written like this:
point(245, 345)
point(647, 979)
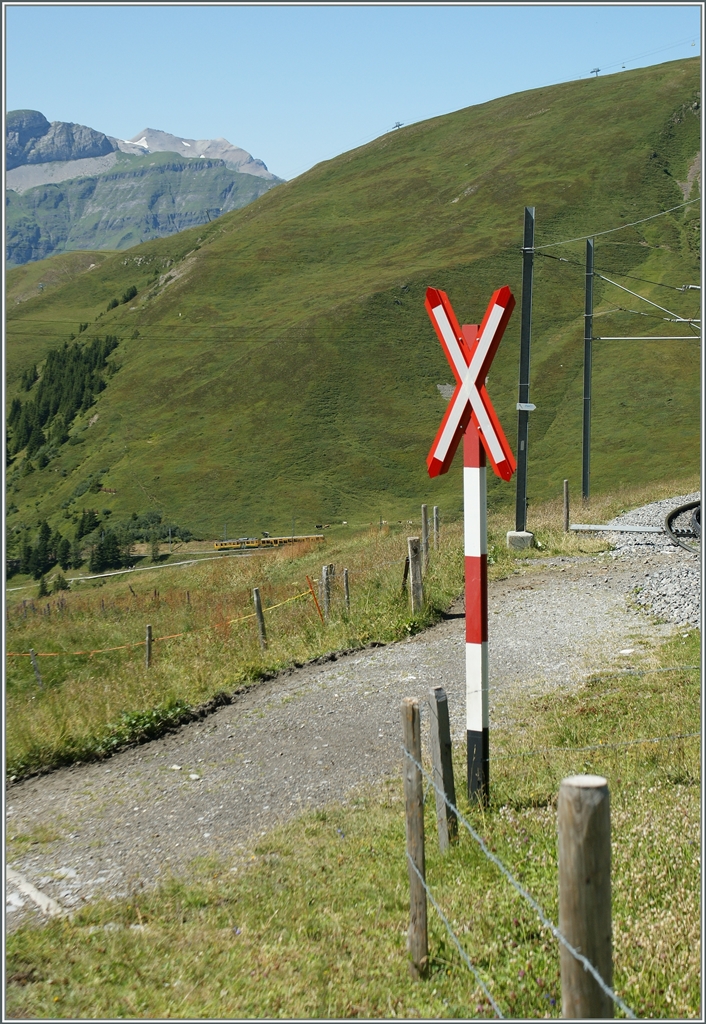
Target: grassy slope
point(291, 368)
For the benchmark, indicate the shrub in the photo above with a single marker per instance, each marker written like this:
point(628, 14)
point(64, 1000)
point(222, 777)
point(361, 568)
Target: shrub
point(59, 583)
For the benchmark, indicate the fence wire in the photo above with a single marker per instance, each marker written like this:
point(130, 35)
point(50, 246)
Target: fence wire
point(454, 939)
point(584, 961)
point(601, 746)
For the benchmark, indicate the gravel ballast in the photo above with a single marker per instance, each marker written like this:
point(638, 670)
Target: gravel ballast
point(672, 591)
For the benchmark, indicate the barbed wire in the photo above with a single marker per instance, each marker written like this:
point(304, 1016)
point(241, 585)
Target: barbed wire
point(156, 639)
point(454, 939)
point(600, 746)
point(546, 921)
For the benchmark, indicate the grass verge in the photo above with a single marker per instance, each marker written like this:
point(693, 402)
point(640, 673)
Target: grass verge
point(313, 922)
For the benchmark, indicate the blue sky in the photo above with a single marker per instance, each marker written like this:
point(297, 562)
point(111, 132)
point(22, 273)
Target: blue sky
point(296, 84)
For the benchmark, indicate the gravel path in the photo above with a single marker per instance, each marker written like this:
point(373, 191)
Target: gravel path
point(311, 736)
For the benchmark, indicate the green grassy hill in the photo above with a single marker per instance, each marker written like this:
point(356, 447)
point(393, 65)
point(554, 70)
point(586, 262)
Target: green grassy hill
point(279, 362)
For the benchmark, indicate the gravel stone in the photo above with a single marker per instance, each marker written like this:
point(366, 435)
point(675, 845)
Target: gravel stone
point(317, 734)
point(672, 592)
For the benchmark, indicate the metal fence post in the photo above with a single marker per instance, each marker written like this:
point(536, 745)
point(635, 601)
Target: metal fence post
point(148, 646)
point(425, 538)
point(584, 894)
point(417, 942)
point(443, 771)
point(416, 588)
point(260, 618)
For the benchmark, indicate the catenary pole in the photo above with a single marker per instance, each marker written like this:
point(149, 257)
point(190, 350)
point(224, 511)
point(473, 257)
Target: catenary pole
point(587, 361)
point(524, 389)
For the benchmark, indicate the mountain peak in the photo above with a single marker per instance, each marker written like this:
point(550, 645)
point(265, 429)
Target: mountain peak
point(155, 141)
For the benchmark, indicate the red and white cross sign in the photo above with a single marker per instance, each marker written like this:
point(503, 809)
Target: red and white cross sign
point(470, 351)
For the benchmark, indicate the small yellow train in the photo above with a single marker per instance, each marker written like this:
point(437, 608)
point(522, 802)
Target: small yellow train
point(264, 542)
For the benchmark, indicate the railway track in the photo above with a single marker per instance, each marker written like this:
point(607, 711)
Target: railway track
point(683, 526)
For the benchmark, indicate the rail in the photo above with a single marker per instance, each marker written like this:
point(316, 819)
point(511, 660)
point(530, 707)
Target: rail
point(679, 536)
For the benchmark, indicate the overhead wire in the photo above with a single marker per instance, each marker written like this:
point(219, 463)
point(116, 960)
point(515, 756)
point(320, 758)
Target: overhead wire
point(622, 227)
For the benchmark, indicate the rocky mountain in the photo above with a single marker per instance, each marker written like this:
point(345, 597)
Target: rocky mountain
point(31, 139)
point(152, 141)
point(71, 187)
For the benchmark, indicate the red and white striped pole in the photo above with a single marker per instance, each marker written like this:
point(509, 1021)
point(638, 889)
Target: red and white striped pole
point(475, 545)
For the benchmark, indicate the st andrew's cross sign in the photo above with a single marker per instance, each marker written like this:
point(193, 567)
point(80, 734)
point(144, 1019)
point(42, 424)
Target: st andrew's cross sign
point(470, 414)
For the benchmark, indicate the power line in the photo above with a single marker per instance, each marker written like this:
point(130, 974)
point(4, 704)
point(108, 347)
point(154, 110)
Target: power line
point(635, 294)
point(608, 231)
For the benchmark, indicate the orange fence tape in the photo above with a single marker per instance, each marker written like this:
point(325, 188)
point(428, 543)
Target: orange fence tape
point(156, 639)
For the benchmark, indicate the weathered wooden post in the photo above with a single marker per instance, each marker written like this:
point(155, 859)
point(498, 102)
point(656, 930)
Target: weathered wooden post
point(443, 770)
point(148, 646)
point(436, 527)
point(416, 587)
point(566, 506)
point(425, 538)
point(260, 618)
point(325, 590)
point(584, 895)
point(346, 592)
point(417, 943)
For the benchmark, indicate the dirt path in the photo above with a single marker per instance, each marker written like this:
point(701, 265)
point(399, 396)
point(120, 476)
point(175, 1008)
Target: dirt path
point(303, 739)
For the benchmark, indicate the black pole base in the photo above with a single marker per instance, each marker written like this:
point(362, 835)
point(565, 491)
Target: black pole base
point(478, 766)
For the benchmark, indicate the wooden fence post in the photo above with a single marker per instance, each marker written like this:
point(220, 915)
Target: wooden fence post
point(584, 894)
point(405, 573)
point(566, 506)
point(35, 666)
point(148, 646)
point(260, 618)
point(436, 527)
point(443, 770)
point(416, 588)
point(325, 591)
point(425, 538)
point(417, 942)
point(346, 592)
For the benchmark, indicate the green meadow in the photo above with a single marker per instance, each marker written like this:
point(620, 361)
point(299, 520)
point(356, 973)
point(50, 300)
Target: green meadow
point(278, 363)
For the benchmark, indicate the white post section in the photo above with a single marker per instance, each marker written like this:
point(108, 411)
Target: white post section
point(476, 559)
